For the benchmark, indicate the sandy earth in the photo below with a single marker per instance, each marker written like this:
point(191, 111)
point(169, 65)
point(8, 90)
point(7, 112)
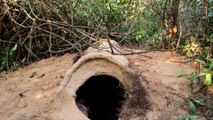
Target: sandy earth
point(28, 93)
point(166, 91)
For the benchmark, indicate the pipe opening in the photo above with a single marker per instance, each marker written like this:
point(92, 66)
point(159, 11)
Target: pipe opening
point(101, 98)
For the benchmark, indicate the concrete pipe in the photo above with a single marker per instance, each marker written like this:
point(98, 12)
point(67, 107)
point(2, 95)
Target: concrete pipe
point(96, 87)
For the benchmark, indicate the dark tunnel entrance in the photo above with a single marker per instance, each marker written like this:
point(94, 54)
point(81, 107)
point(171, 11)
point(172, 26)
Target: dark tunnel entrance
point(101, 98)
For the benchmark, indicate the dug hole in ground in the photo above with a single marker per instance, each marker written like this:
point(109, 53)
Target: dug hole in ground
point(97, 86)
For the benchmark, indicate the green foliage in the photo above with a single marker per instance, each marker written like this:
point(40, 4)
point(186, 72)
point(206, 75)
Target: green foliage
point(192, 105)
point(7, 59)
point(208, 73)
point(192, 108)
point(192, 117)
point(182, 74)
point(191, 47)
point(140, 34)
point(210, 13)
point(210, 107)
point(155, 41)
point(199, 101)
point(13, 49)
point(208, 81)
point(3, 62)
point(194, 77)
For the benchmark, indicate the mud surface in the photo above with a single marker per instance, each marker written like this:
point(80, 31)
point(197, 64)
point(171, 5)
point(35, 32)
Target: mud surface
point(28, 93)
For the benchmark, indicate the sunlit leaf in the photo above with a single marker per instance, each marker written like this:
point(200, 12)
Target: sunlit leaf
point(200, 61)
point(13, 49)
point(194, 77)
point(208, 80)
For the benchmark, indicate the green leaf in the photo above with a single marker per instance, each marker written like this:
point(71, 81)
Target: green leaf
point(3, 62)
point(22, 4)
point(200, 61)
point(199, 102)
point(192, 107)
point(210, 1)
point(210, 107)
point(192, 117)
point(194, 77)
point(180, 73)
point(210, 14)
point(211, 66)
point(208, 80)
point(13, 49)
point(140, 34)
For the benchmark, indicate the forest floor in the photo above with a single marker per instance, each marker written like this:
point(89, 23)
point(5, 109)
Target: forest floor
point(27, 93)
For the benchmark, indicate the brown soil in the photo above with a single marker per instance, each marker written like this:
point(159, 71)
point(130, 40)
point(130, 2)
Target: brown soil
point(28, 93)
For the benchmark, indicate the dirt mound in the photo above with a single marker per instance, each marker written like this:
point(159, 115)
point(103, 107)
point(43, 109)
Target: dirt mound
point(166, 92)
point(30, 93)
point(27, 92)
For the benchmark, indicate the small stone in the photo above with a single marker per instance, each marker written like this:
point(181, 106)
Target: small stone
point(136, 63)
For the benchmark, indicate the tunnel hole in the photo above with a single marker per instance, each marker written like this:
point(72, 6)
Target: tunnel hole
point(101, 98)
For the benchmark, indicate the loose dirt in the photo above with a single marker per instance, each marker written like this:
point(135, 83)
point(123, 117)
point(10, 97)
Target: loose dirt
point(29, 92)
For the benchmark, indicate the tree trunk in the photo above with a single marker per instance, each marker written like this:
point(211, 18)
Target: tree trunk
point(173, 20)
point(206, 4)
point(163, 26)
